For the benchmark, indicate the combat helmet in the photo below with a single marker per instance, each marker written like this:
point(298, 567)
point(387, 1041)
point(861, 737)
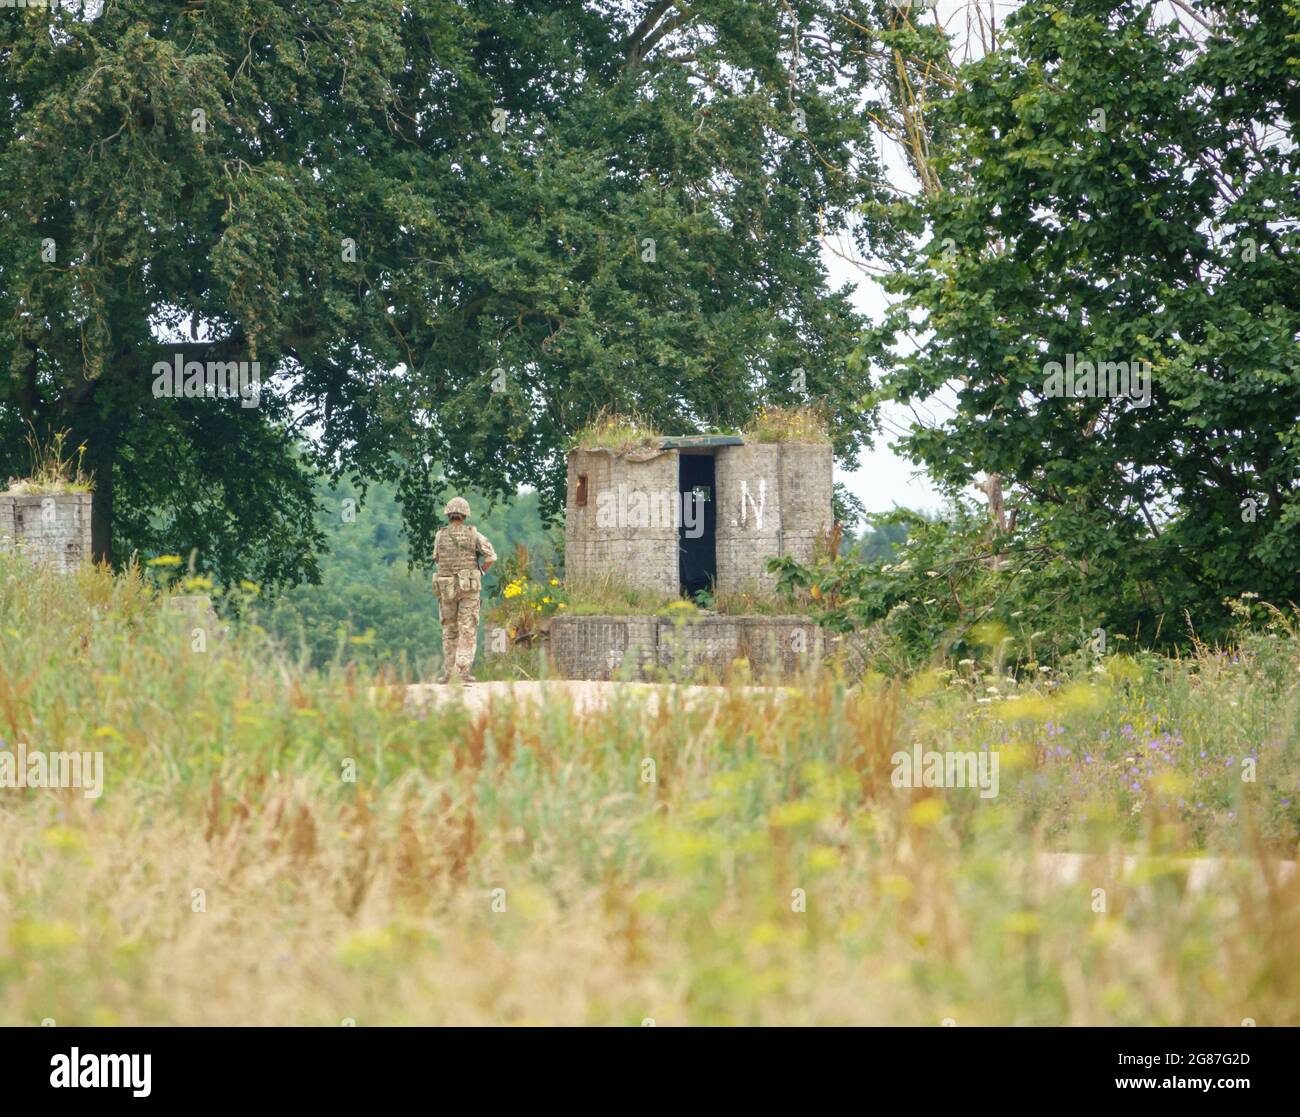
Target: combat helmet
point(457, 506)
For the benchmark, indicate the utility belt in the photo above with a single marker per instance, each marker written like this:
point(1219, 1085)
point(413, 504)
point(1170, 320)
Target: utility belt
point(451, 586)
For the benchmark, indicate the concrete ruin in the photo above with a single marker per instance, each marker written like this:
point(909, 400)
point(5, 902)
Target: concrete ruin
point(704, 512)
point(50, 529)
point(651, 647)
point(694, 513)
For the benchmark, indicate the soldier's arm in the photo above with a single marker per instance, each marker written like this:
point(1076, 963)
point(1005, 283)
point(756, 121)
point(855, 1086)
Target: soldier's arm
point(485, 549)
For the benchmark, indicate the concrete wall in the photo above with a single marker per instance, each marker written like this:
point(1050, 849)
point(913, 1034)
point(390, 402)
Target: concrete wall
point(807, 479)
point(622, 534)
point(748, 530)
point(598, 647)
point(774, 499)
point(53, 530)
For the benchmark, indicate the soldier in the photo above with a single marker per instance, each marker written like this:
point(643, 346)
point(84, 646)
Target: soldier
point(456, 551)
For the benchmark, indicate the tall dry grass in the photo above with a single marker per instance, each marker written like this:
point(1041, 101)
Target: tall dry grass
point(503, 868)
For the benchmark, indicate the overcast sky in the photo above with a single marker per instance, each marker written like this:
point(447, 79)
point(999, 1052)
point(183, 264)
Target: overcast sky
point(884, 479)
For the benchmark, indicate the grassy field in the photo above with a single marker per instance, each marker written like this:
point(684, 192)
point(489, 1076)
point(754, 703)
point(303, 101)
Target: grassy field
point(272, 847)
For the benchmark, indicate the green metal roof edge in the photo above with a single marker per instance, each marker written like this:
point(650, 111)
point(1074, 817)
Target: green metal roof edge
point(688, 441)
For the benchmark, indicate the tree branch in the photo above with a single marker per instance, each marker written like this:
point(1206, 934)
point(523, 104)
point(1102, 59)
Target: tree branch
point(643, 28)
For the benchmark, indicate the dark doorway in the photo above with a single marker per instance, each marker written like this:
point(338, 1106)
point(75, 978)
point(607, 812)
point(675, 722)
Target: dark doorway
point(696, 547)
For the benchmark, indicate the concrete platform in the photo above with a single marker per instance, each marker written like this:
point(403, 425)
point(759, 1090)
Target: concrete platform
point(582, 695)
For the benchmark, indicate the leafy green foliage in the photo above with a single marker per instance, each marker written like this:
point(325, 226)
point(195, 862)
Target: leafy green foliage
point(952, 589)
point(1117, 189)
point(447, 232)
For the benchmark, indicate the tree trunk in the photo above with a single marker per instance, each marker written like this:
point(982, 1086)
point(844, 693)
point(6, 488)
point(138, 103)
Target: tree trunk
point(992, 487)
point(95, 432)
point(101, 509)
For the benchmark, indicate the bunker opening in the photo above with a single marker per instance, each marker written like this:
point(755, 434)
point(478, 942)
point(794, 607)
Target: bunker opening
point(696, 543)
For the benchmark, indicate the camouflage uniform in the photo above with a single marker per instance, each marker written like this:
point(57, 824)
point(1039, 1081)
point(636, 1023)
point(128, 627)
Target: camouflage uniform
point(456, 551)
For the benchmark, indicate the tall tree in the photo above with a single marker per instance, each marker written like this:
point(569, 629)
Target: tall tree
point(1121, 186)
point(446, 229)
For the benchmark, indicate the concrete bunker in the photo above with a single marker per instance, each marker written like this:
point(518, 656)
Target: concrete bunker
point(694, 513)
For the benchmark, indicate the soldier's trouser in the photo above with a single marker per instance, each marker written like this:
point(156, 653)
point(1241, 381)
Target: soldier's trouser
point(459, 617)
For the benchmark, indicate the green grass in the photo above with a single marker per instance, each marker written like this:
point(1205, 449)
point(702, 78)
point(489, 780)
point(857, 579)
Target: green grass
point(788, 424)
point(618, 432)
point(279, 845)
